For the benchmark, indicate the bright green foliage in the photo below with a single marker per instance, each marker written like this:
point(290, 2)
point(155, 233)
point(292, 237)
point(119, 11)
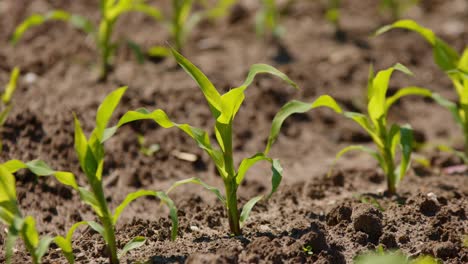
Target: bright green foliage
point(6, 104)
point(386, 137)
point(220, 10)
point(111, 10)
point(267, 19)
point(223, 108)
point(91, 156)
point(397, 7)
point(90, 153)
point(333, 13)
point(453, 64)
point(10, 215)
point(392, 257)
point(182, 21)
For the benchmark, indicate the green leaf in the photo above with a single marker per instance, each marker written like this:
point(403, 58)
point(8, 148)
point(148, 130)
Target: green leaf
point(199, 182)
point(232, 100)
point(248, 208)
point(161, 195)
point(90, 199)
point(294, 107)
point(276, 176)
point(130, 198)
point(106, 109)
point(36, 19)
point(136, 242)
point(378, 92)
point(29, 231)
point(406, 142)
point(11, 87)
point(452, 107)
point(66, 178)
point(247, 163)
point(364, 122)
point(393, 139)
point(43, 247)
point(161, 118)
point(65, 243)
point(13, 166)
point(410, 25)
point(209, 91)
point(265, 68)
point(10, 242)
point(158, 51)
point(444, 55)
point(347, 149)
point(463, 62)
point(125, 6)
point(411, 90)
point(98, 228)
point(40, 168)
point(8, 202)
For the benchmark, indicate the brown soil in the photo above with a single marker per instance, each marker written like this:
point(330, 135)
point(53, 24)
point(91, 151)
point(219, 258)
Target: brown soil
point(337, 218)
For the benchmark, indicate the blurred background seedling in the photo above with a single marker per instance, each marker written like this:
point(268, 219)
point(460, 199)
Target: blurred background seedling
point(111, 11)
point(6, 103)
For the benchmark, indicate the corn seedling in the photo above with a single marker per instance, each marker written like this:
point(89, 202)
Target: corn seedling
point(183, 20)
point(6, 104)
point(223, 108)
point(221, 8)
point(267, 19)
point(147, 150)
point(25, 227)
point(90, 153)
point(386, 138)
point(111, 10)
point(332, 14)
point(397, 7)
point(392, 257)
point(18, 226)
point(454, 65)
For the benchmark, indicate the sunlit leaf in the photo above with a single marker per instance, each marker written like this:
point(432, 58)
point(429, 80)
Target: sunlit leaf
point(294, 107)
point(247, 208)
point(135, 243)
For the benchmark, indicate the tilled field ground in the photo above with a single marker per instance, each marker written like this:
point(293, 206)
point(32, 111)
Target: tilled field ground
point(337, 217)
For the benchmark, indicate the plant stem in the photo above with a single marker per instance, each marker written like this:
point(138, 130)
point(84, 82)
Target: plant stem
point(106, 221)
point(105, 30)
point(233, 211)
point(230, 182)
point(465, 133)
point(389, 171)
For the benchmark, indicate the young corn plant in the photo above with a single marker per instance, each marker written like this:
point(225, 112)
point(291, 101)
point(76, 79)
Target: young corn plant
point(392, 257)
point(332, 14)
point(455, 65)
point(183, 20)
point(6, 104)
point(17, 225)
point(397, 7)
point(90, 152)
point(386, 137)
point(25, 228)
point(267, 20)
point(111, 10)
point(223, 108)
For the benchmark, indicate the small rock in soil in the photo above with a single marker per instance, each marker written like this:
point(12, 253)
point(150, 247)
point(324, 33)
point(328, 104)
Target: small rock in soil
point(368, 220)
